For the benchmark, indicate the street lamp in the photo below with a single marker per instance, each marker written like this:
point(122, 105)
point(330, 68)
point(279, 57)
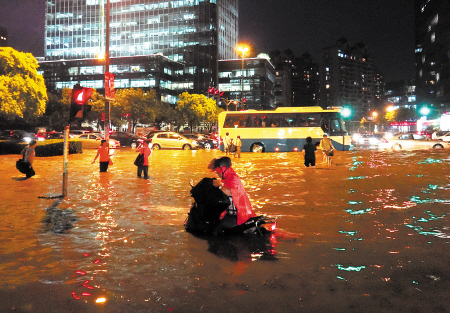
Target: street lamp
point(374, 120)
point(242, 50)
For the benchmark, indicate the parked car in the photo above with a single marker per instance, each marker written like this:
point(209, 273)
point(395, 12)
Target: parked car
point(444, 136)
point(412, 142)
point(17, 136)
point(150, 134)
point(49, 135)
point(74, 133)
point(171, 140)
point(92, 141)
point(127, 139)
point(202, 140)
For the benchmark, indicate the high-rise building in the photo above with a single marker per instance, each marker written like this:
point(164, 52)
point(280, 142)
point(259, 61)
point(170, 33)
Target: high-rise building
point(195, 32)
point(305, 81)
point(433, 54)
point(347, 77)
point(284, 76)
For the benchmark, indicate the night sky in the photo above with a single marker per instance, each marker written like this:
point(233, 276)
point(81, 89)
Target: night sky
point(385, 26)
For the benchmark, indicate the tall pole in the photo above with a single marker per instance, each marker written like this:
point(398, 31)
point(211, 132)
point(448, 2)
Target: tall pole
point(242, 80)
point(107, 109)
point(242, 49)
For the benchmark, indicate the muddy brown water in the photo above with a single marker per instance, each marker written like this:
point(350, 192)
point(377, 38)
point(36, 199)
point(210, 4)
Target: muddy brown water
point(371, 233)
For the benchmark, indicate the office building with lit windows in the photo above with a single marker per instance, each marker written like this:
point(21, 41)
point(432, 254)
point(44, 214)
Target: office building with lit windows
point(432, 51)
point(195, 33)
point(347, 78)
point(252, 79)
point(146, 72)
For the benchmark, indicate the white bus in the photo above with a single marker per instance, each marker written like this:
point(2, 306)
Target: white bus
point(284, 129)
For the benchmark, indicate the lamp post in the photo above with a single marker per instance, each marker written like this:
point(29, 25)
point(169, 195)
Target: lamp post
point(242, 50)
point(107, 108)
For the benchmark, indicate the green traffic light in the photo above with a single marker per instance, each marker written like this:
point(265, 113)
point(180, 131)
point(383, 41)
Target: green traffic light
point(346, 112)
point(424, 111)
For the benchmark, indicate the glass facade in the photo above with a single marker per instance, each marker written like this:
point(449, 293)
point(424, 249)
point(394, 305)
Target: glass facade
point(251, 78)
point(145, 72)
point(196, 32)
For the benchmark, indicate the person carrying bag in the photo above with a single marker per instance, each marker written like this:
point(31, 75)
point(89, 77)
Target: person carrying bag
point(142, 159)
point(25, 165)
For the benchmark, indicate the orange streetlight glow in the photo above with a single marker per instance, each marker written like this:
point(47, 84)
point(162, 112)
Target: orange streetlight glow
point(242, 49)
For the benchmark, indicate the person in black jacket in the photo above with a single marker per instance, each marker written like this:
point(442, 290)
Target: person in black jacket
point(310, 155)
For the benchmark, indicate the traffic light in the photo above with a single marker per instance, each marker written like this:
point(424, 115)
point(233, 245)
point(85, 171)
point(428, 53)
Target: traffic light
point(78, 106)
point(244, 100)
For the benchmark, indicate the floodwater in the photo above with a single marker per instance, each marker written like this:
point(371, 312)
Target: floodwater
point(371, 233)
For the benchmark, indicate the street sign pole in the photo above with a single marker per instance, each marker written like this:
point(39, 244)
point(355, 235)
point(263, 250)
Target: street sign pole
point(66, 162)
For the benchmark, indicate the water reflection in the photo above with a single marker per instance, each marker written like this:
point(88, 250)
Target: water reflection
point(364, 236)
point(242, 248)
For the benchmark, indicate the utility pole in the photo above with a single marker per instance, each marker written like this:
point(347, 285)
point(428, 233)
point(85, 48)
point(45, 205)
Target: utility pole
point(107, 108)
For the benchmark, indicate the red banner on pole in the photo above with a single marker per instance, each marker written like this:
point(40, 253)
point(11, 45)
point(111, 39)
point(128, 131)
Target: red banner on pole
point(110, 92)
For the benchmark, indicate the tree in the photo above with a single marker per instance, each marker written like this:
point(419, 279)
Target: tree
point(197, 108)
point(134, 105)
point(56, 114)
point(22, 90)
point(401, 115)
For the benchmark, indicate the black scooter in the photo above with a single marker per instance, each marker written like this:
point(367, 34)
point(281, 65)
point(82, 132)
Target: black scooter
point(210, 202)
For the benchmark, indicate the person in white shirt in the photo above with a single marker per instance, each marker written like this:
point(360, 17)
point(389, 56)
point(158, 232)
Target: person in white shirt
point(227, 143)
point(327, 149)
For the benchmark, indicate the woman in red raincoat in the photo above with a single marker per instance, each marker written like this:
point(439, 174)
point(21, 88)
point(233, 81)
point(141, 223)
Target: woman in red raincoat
point(240, 209)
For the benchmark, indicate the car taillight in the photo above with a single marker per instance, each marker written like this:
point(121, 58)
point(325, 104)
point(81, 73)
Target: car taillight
point(384, 140)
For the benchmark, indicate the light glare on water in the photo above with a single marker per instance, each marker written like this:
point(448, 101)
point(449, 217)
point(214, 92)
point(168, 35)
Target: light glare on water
point(370, 233)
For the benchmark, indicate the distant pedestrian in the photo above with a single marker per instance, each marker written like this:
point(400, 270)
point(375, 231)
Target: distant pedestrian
point(227, 143)
point(310, 155)
point(434, 135)
point(327, 149)
point(238, 144)
point(145, 150)
point(28, 155)
point(103, 152)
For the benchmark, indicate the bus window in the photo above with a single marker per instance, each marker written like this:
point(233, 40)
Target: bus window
point(314, 119)
point(324, 124)
point(231, 121)
point(335, 127)
point(264, 121)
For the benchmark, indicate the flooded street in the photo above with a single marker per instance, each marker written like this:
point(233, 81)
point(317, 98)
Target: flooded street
point(371, 233)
